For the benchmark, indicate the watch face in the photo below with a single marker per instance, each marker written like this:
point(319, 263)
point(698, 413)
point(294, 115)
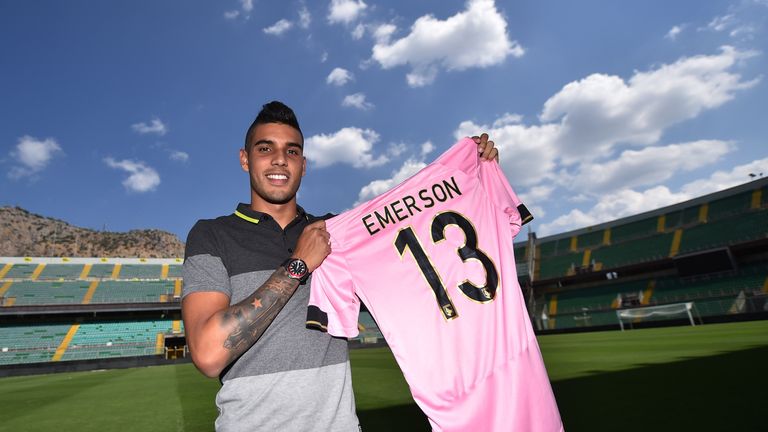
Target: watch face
point(297, 268)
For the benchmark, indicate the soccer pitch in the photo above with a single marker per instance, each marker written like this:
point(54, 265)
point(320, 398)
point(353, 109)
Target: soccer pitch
point(704, 378)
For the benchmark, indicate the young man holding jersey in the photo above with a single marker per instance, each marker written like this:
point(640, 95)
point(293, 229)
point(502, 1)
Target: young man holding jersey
point(246, 293)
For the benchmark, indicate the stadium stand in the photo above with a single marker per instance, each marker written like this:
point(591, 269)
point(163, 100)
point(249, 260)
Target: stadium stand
point(712, 250)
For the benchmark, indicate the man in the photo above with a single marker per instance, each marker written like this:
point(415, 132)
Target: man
point(246, 294)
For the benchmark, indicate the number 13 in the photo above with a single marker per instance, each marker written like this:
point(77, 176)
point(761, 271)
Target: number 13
point(407, 239)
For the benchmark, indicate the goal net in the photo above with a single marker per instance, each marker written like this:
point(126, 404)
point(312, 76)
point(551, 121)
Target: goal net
point(668, 311)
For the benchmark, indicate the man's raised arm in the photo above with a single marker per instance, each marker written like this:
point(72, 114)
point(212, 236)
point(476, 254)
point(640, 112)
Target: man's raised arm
point(218, 333)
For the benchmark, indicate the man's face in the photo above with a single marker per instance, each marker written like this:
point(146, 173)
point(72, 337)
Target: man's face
point(275, 161)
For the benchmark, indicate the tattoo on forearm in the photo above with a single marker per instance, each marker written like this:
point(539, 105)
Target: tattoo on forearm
point(251, 317)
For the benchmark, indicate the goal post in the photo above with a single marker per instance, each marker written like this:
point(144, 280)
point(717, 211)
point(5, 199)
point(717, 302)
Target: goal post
point(662, 311)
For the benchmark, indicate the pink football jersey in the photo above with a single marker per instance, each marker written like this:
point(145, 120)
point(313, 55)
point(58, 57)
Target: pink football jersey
point(432, 260)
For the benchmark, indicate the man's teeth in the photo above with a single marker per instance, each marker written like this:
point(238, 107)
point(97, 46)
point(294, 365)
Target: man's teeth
point(277, 177)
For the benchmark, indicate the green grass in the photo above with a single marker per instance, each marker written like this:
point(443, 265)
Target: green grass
point(671, 379)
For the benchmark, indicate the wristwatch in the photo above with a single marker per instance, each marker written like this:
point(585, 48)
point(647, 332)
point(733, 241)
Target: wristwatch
point(297, 269)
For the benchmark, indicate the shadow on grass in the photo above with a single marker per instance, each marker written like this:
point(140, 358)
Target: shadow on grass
point(725, 392)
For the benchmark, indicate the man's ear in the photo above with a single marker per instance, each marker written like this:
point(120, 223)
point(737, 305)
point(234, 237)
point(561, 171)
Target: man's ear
point(304, 167)
point(244, 159)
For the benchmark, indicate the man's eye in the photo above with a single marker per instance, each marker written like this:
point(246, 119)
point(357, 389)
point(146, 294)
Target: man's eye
point(262, 149)
point(293, 152)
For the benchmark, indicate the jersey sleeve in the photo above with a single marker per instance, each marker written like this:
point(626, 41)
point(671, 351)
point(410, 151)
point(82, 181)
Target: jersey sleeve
point(333, 304)
point(203, 268)
point(503, 196)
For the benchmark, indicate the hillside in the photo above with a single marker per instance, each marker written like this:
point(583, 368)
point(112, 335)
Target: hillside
point(27, 234)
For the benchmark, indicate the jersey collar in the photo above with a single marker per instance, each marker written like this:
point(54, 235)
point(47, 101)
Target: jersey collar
point(246, 213)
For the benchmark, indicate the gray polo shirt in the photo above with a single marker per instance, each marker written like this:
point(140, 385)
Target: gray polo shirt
point(292, 378)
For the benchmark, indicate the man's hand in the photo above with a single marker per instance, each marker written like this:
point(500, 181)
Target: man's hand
point(313, 245)
point(486, 149)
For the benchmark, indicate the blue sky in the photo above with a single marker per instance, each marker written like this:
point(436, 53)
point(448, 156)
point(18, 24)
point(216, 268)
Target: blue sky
point(130, 115)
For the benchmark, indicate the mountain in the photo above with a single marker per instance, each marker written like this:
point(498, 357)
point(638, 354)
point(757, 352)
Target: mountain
point(23, 233)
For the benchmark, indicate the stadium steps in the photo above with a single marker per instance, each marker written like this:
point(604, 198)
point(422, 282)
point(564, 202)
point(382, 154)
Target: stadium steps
point(676, 239)
point(6, 286)
point(86, 270)
point(89, 294)
point(36, 273)
point(160, 343)
point(65, 342)
point(6, 268)
point(116, 271)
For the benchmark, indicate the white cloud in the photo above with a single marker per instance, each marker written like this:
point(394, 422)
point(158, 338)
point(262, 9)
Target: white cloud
point(674, 32)
point(345, 11)
point(142, 178)
point(476, 37)
point(536, 194)
point(584, 123)
point(339, 77)
point(721, 23)
point(356, 100)
point(32, 156)
point(358, 32)
point(600, 111)
point(350, 145)
point(527, 154)
point(179, 156)
point(305, 18)
point(720, 180)
point(649, 166)
point(155, 126)
point(615, 205)
point(427, 148)
point(246, 6)
point(378, 187)
point(507, 119)
point(324, 57)
point(383, 33)
point(278, 28)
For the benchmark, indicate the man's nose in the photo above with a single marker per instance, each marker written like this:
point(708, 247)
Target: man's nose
point(279, 158)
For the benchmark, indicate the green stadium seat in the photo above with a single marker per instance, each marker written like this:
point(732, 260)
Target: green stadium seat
point(101, 271)
point(633, 230)
point(752, 225)
point(646, 249)
point(21, 271)
point(61, 271)
point(141, 271)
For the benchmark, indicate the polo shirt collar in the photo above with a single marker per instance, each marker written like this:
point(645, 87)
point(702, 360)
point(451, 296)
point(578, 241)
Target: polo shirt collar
point(246, 213)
